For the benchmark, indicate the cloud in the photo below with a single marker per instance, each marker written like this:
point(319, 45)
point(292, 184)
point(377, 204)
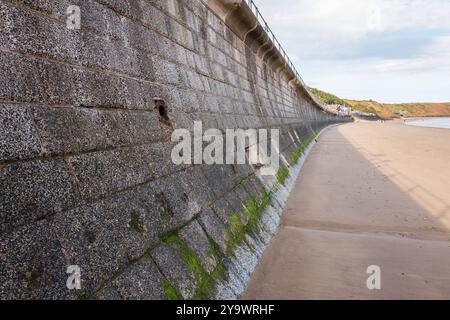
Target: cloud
point(330, 28)
point(388, 50)
point(435, 56)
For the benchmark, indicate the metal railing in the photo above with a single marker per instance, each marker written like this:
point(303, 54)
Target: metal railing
point(277, 44)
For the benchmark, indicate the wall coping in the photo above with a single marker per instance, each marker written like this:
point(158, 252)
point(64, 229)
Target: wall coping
point(241, 16)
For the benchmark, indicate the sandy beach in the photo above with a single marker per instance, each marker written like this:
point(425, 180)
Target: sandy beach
point(368, 194)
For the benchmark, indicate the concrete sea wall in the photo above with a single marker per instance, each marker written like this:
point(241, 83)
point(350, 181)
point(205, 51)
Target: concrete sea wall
point(86, 118)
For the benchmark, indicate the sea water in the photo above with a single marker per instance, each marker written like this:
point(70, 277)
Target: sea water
point(431, 122)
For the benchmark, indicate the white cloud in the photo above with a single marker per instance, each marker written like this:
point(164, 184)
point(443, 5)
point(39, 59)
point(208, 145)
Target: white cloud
point(389, 50)
point(435, 56)
point(329, 28)
point(374, 20)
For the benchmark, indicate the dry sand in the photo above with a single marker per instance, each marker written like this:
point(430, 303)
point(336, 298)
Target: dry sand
point(369, 194)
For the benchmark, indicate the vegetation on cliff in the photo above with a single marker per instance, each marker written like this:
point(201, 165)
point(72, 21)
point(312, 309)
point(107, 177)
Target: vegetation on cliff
point(325, 97)
point(390, 111)
point(386, 110)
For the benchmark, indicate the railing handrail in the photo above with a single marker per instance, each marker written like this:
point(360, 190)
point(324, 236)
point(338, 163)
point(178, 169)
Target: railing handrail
point(274, 39)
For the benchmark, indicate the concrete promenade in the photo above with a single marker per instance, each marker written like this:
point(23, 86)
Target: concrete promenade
point(369, 194)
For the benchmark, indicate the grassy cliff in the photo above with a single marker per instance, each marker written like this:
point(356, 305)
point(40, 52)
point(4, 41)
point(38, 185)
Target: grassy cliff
point(325, 97)
point(389, 111)
point(386, 110)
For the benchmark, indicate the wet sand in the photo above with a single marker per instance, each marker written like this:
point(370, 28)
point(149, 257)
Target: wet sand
point(368, 194)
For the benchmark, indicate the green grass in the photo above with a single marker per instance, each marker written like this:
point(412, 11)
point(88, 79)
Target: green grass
point(326, 98)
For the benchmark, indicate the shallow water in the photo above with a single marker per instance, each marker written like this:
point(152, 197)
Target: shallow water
point(431, 122)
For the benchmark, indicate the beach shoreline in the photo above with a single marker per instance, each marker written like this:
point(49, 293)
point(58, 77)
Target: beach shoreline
point(370, 194)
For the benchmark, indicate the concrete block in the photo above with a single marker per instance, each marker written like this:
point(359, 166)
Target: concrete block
point(195, 238)
point(108, 293)
point(32, 265)
point(133, 127)
point(169, 261)
point(172, 200)
point(19, 138)
point(223, 209)
point(70, 130)
point(33, 190)
point(142, 281)
point(105, 172)
point(105, 237)
point(215, 228)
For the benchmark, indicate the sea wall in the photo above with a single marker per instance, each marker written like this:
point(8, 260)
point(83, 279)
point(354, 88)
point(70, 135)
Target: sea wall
point(86, 118)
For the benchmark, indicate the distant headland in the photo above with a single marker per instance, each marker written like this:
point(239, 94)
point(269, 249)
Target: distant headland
point(387, 110)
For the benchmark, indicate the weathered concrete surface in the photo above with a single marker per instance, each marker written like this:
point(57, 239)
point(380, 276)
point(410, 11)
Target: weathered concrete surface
point(86, 176)
point(369, 194)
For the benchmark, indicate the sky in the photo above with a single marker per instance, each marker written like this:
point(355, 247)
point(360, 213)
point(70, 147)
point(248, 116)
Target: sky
point(390, 51)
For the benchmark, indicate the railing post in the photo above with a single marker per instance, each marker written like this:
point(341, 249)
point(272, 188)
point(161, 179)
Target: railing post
point(259, 17)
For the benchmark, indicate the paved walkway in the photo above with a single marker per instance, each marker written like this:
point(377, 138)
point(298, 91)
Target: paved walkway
point(369, 194)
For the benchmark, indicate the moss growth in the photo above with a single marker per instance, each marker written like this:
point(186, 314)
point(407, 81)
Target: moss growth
point(217, 254)
point(235, 232)
point(241, 183)
point(207, 285)
point(282, 175)
point(236, 224)
point(251, 213)
point(205, 281)
point(296, 155)
point(169, 292)
point(230, 240)
point(265, 200)
point(251, 210)
point(170, 237)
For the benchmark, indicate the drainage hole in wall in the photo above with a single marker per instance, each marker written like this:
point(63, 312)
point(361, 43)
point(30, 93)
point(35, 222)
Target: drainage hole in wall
point(163, 112)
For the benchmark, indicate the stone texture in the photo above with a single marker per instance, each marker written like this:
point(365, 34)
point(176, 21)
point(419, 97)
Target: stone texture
point(33, 190)
point(142, 281)
point(215, 229)
point(223, 209)
point(133, 127)
point(175, 269)
point(171, 200)
point(105, 237)
point(105, 172)
point(19, 138)
point(108, 293)
point(195, 238)
point(85, 161)
point(32, 265)
point(69, 130)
